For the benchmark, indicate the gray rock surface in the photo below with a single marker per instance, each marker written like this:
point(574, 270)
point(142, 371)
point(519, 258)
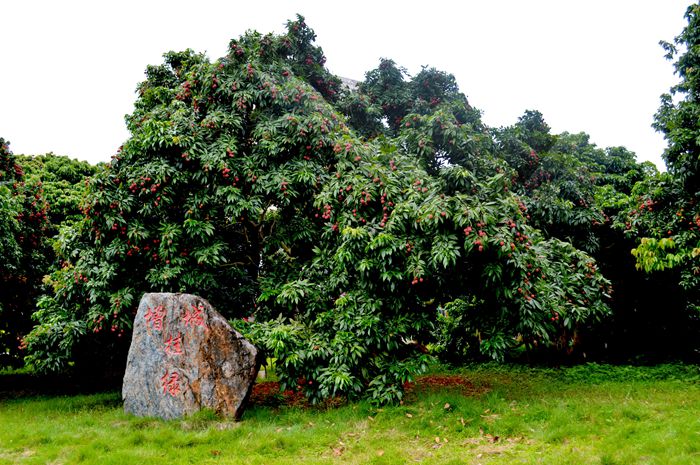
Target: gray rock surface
point(184, 357)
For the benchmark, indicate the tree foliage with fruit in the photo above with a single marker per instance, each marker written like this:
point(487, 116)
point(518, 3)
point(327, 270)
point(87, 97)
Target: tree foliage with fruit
point(583, 194)
point(348, 224)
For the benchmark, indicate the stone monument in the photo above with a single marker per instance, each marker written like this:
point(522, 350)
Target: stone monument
point(184, 357)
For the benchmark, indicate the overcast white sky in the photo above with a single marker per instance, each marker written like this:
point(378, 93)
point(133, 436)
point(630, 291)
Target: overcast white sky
point(69, 68)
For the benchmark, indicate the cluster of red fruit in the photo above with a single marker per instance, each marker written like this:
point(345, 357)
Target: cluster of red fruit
point(299, 95)
point(326, 215)
point(235, 48)
point(36, 217)
point(186, 91)
point(272, 88)
point(79, 277)
point(385, 218)
point(134, 186)
point(365, 198)
point(122, 230)
point(523, 238)
point(417, 186)
point(98, 324)
point(539, 178)
point(591, 270)
point(526, 294)
point(362, 220)
point(226, 173)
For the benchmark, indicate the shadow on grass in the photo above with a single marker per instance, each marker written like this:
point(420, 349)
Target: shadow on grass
point(20, 385)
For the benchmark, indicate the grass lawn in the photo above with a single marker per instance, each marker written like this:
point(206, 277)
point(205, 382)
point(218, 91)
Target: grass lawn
point(593, 414)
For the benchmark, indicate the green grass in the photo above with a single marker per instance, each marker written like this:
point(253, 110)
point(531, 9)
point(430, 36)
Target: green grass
point(594, 414)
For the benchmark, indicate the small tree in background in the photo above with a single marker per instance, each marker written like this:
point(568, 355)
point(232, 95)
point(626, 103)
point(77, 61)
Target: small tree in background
point(63, 181)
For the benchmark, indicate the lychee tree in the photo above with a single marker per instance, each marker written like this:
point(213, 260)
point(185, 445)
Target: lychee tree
point(399, 247)
point(10, 249)
point(220, 171)
point(22, 248)
point(243, 183)
point(10, 172)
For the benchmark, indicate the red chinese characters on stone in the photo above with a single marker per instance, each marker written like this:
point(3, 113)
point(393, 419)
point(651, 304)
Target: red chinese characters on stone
point(171, 383)
point(155, 316)
point(173, 345)
point(194, 317)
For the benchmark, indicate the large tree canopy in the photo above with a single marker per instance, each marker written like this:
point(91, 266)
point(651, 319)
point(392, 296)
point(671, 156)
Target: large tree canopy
point(346, 236)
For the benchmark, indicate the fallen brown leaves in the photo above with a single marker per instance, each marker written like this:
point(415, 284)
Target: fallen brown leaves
point(443, 382)
point(267, 393)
